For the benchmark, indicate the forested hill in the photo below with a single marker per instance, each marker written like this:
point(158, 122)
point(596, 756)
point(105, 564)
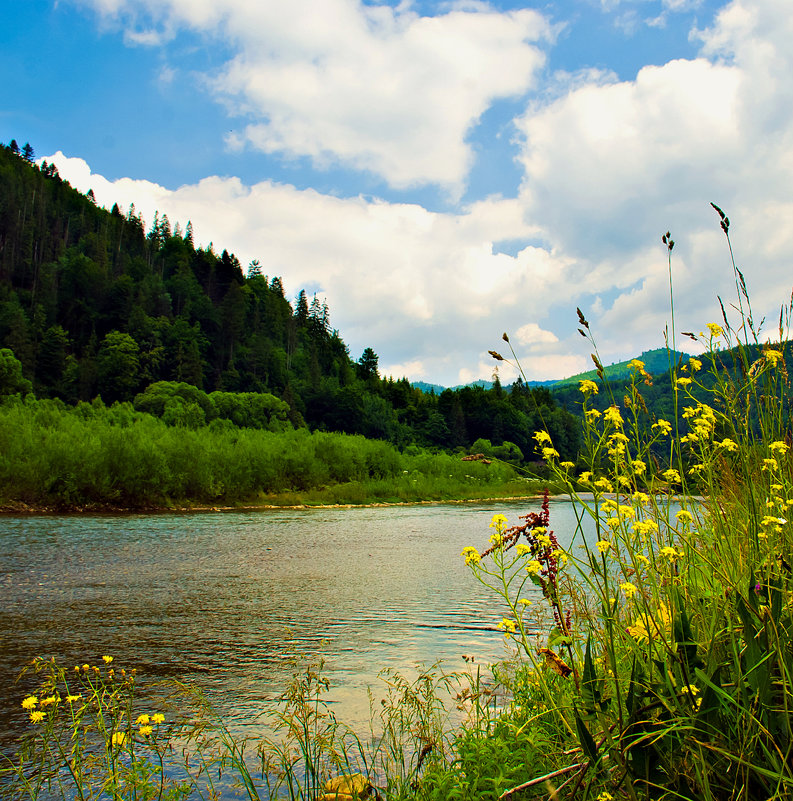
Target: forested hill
point(94, 305)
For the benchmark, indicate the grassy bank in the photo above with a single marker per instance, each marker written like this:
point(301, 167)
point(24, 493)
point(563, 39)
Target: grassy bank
point(93, 456)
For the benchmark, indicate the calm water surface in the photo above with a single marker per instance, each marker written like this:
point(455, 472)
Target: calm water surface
point(228, 601)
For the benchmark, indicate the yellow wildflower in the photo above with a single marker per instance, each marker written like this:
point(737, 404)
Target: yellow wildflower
point(778, 447)
point(639, 467)
point(142, 720)
point(636, 364)
point(52, 699)
point(671, 475)
point(107, 659)
point(158, 718)
point(770, 464)
point(561, 557)
point(585, 477)
point(603, 545)
point(641, 498)
point(533, 567)
point(629, 589)
point(671, 553)
point(645, 527)
point(773, 357)
point(604, 484)
point(72, 698)
point(550, 453)
point(471, 556)
point(612, 414)
point(769, 520)
point(507, 626)
point(716, 330)
point(521, 549)
point(684, 516)
point(37, 716)
point(729, 445)
point(567, 465)
point(591, 415)
point(542, 436)
point(118, 738)
point(588, 387)
point(30, 702)
point(498, 521)
point(604, 796)
point(664, 426)
point(524, 602)
point(695, 364)
point(682, 382)
point(544, 541)
point(145, 730)
point(645, 627)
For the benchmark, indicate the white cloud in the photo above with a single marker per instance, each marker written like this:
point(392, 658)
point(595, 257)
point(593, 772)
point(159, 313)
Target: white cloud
point(415, 370)
point(609, 166)
point(368, 86)
point(531, 334)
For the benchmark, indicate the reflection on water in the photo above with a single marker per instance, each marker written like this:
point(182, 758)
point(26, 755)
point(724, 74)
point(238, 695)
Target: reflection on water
point(229, 600)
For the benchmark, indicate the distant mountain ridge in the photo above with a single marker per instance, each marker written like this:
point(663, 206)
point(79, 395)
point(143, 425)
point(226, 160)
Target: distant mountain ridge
point(656, 361)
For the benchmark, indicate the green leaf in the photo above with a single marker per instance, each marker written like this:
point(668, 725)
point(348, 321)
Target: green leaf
point(714, 699)
point(635, 692)
point(556, 637)
point(586, 740)
point(591, 686)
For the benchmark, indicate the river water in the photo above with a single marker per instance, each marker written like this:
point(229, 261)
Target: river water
point(230, 601)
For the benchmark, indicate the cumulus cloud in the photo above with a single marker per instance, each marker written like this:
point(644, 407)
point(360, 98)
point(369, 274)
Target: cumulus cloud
point(609, 166)
point(370, 87)
point(531, 334)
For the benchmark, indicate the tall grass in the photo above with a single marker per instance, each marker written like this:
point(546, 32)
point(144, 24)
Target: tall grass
point(672, 630)
point(61, 457)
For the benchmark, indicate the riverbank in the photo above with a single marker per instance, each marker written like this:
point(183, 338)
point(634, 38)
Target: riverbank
point(56, 460)
point(532, 489)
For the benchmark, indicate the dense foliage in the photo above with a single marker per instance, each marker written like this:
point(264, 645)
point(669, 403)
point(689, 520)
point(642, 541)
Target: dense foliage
point(94, 305)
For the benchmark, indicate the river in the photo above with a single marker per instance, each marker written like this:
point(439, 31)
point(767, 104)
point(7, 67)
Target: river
point(231, 601)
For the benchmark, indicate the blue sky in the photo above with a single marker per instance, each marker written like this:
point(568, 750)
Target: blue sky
point(439, 172)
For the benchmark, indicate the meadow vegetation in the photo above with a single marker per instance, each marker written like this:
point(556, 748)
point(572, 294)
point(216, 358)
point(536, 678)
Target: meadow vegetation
point(62, 457)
